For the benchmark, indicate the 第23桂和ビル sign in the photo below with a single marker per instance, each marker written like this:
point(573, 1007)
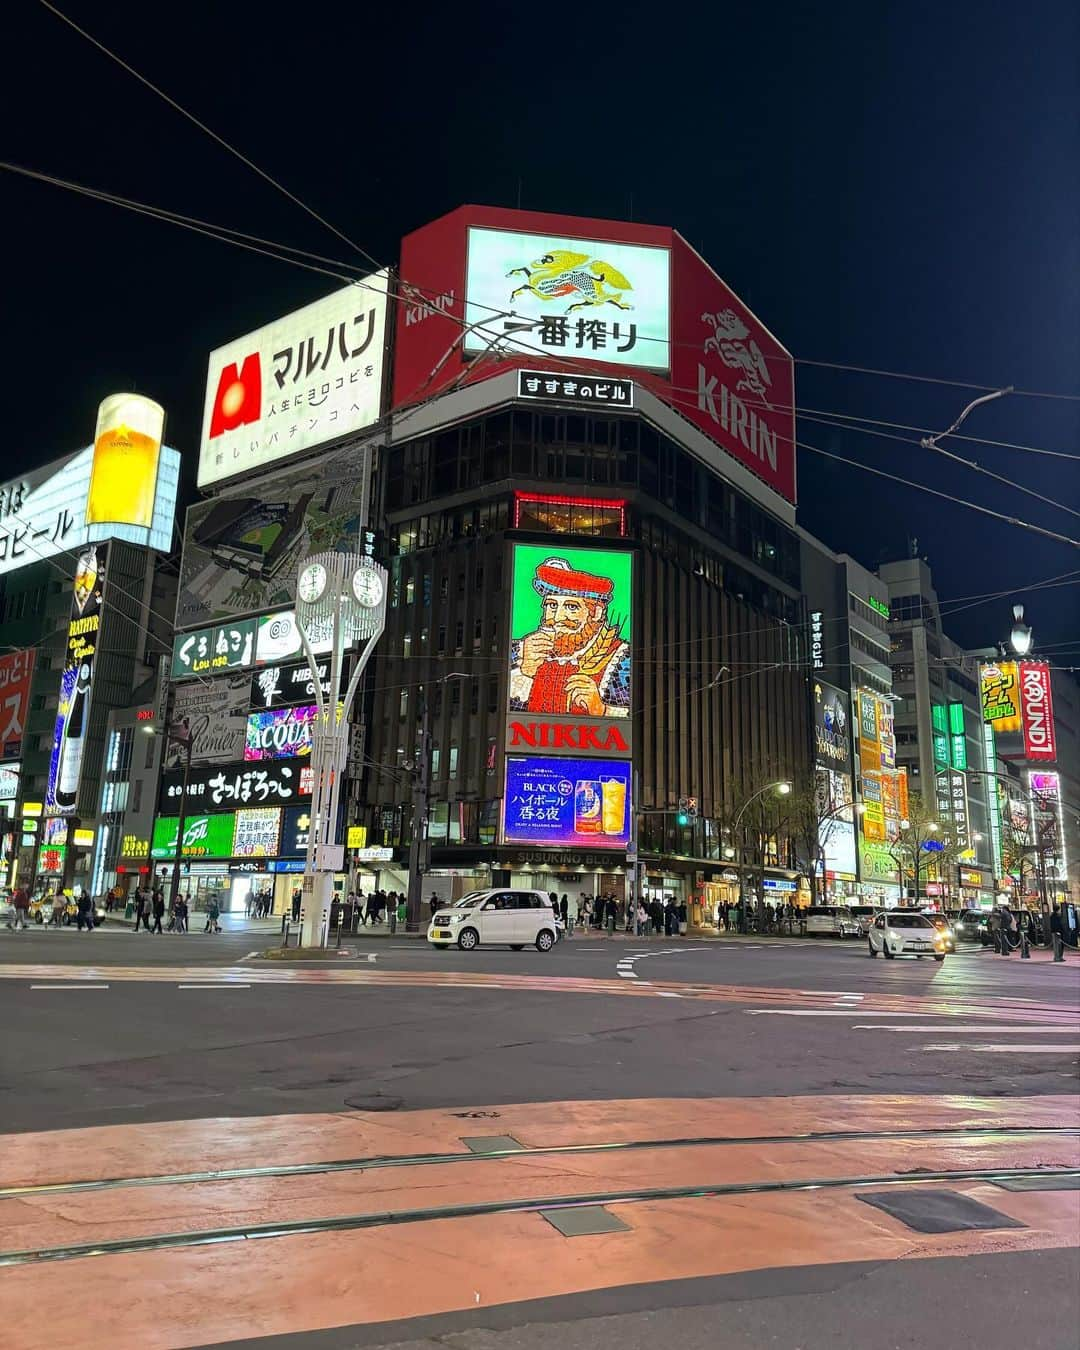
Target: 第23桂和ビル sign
point(311, 377)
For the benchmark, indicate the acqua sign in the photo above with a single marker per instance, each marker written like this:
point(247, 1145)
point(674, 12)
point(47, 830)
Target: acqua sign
point(607, 738)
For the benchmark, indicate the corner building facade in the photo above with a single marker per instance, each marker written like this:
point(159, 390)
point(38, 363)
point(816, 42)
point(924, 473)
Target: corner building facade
point(595, 612)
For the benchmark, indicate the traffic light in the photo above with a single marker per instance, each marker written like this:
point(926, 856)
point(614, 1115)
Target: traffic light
point(688, 809)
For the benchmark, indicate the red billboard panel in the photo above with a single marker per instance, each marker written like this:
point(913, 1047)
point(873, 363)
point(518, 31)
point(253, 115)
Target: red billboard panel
point(16, 673)
point(486, 289)
point(731, 377)
point(1037, 710)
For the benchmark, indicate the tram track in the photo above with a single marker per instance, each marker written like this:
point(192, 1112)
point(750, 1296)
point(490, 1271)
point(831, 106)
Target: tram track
point(952, 1133)
point(428, 1214)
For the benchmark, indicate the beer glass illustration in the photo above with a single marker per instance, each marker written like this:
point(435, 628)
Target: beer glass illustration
point(127, 443)
point(613, 813)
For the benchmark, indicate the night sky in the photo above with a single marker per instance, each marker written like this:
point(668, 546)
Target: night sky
point(887, 185)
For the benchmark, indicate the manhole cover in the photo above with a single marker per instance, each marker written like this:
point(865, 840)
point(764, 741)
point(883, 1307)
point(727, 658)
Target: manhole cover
point(938, 1211)
point(375, 1103)
point(1039, 1183)
point(584, 1220)
point(491, 1143)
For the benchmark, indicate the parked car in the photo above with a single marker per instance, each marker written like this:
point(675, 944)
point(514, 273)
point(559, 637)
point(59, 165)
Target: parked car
point(831, 921)
point(972, 926)
point(903, 932)
point(865, 915)
point(515, 919)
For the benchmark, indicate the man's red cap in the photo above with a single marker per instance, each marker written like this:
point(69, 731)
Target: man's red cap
point(555, 576)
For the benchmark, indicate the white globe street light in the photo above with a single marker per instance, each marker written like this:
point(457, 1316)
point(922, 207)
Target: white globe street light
point(1020, 637)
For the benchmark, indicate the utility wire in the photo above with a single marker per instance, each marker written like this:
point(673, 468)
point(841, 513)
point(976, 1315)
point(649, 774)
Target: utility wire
point(945, 496)
point(926, 444)
point(209, 132)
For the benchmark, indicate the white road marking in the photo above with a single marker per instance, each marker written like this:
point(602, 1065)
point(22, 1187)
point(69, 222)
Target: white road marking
point(626, 975)
point(835, 1012)
point(1040, 1028)
point(222, 985)
point(69, 986)
point(1007, 1049)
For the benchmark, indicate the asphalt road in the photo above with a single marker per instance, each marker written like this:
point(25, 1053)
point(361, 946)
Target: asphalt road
point(189, 1039)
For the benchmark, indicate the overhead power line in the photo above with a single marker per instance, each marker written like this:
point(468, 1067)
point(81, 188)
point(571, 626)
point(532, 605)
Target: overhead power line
point(209, 132)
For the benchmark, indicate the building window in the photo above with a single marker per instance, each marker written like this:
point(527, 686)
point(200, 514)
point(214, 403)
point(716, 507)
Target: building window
point(493, 695)
point(403, 705)
point(444, 587)
point(459, 636)
point(495, 634)
point(442, 639)
point(478, 634)
point(406, 645)
point(569, 515)
point(453, 760)
point(410, 591)
point(434, 761)
point(474, 697)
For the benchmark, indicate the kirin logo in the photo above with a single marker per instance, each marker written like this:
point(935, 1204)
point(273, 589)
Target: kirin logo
point(563, 275)
point(728, 340)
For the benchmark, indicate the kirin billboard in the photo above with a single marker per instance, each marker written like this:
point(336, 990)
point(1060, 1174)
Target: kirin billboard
point(485, 289)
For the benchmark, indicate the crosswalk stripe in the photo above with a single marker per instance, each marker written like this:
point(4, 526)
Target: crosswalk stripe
point(1005, 1049)
point(1040, 1027)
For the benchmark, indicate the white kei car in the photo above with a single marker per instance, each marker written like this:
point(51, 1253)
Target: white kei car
point(903, 932)
point(515, 919)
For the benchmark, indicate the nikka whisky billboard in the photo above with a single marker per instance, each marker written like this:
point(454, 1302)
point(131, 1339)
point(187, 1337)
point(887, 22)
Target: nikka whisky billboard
point(569, 771)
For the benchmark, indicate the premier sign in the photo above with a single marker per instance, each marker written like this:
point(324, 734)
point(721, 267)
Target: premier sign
point(1037, 711)
point(602, 738)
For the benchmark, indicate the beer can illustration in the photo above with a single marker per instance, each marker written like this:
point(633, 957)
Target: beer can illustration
point(588, 807)
point(127, 445)
point(613, 811)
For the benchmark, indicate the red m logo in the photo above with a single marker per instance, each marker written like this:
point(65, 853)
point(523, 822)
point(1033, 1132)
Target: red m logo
point(239, 396)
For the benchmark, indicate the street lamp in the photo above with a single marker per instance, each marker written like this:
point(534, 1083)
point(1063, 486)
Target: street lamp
point(782, 787)
point(340, 599)
point(421, 792)
point(1020, 637)
point(179, 733)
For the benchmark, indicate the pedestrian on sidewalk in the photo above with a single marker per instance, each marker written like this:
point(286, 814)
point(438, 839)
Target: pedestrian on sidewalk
point(213, 910)
point(1008, 930)
point(157, 907)
point(564, 909)
point(142, 909)
point(433, 904)
point(181, 914)
point(20, 904)
point(84, 911)
point(993, 927)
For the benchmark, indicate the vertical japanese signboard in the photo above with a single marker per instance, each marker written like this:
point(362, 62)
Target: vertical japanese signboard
point(76, 681)
point(999, 684)
point(16, 674)
point(1037, 711)
point(873, 819)
point(832, 763)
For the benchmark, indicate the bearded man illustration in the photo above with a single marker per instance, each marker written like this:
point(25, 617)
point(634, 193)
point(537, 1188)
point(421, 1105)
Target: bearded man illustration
point(577, 661)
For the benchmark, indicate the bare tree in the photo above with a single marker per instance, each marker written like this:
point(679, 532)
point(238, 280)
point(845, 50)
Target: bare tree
point(923, 845)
